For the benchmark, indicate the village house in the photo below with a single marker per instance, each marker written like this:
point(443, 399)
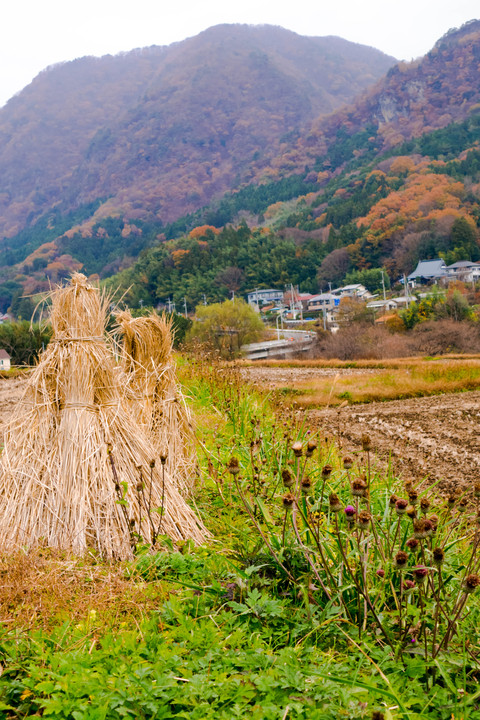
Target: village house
point(428, 271)
point(4, 360)
point(324, 301)
point(258, 298)
point(384, 305)
point(464, 270)
point(357, 291)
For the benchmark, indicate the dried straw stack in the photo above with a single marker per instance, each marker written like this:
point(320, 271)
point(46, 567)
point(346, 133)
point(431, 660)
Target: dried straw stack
point(73, 448)
point(157, 399)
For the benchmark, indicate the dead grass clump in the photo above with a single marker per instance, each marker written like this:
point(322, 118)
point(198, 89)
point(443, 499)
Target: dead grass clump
point(157, 399)
point(77, 473)
point(412, 378)
point(44, 588)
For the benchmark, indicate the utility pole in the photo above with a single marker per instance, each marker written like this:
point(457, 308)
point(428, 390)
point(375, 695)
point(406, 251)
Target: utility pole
point(301, 305)
point(204, 299)
point(405, 285)
point(169, 306)
point(383, 285)
point(185, 306)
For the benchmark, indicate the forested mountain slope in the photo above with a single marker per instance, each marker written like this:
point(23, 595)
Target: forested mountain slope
point(382, 182)
point(162, 130)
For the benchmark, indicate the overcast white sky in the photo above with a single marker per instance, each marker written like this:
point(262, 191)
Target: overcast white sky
point(38, 33)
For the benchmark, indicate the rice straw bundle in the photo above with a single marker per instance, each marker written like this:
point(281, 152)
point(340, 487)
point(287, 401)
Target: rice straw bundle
point(76, 471)
point(158, 401)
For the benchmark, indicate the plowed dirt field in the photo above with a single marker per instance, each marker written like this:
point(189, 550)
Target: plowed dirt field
point(436, 438)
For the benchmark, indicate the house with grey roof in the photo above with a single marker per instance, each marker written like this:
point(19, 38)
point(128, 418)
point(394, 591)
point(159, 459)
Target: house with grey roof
point(262, 297)
point(353, 291)
point(464, 270)
point(428, 271)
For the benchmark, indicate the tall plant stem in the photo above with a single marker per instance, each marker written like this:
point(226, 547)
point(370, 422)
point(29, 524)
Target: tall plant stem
point(261, 533)
point(359, 589)
point(307, 552)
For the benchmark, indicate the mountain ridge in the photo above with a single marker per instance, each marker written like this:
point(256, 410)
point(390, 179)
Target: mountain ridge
point(78, 129)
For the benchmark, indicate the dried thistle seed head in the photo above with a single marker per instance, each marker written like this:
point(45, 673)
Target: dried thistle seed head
point(413, 497)
point(377, 715)
point(401, 506)
point(287, 500)
point(430, 528)
point(359, 487)
point(311, 447)
point(297, 448)
point(287, 478)
point(413, 544)
point(424, 504)
point(363, 520)
point(400, 560)
point(347, 462)
point(326, 471)
point(462, 504)
point(408, 486)
point(152, 463)
point(438, 556)
point(393, 499)
point(420, 574)
point(411, 512)
point(366, 442)
point(306, 485)
point(140, 487)
point(434, 520)
point(233, 466)
point(334, 503)
point(350, 512)
point(419, 531)
point(471, 582)
point(451, 500)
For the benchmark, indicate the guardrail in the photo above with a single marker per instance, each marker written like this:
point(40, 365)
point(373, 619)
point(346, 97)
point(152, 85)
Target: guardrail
point(285, 347)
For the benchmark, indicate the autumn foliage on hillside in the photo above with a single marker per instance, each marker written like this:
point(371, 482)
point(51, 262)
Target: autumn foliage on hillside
point(411, 100)
point(160, 131)
point(259, 192)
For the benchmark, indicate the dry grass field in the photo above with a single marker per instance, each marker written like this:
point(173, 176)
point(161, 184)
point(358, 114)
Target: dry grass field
point(428, 429)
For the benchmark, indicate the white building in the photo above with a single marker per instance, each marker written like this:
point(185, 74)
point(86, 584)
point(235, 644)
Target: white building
point(4, 360)
point(323, 301)
point(464, 270)
point(262, 297)
point(385, 305)
point(357, 290)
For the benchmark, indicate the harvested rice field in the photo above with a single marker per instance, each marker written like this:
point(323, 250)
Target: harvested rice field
point(436, 438)
point(433, 437)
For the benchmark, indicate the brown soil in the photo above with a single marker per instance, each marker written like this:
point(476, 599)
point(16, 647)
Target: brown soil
point(434, 438)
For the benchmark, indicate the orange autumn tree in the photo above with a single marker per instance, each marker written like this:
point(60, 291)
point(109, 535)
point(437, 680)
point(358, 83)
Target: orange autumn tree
point(426, 202)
